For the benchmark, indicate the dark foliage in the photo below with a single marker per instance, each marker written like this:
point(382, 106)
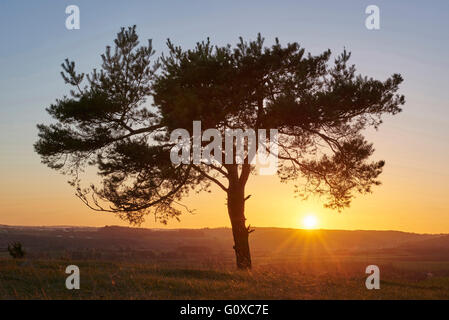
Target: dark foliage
point(15, 250)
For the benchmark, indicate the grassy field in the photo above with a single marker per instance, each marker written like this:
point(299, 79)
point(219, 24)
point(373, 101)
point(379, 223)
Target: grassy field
point(321, 278)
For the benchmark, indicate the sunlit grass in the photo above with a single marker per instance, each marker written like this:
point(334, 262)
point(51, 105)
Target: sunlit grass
point(311, 279)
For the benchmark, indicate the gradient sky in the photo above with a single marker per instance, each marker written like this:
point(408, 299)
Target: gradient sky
point(413, 40)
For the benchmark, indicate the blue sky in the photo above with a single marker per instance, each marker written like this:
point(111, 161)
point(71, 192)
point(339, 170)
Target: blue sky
point(413, 40)
point(35, 41)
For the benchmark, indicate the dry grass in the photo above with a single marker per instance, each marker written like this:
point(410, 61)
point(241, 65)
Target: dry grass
point(315, 279)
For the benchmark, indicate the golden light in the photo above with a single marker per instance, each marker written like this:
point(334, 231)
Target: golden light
point(310, 222)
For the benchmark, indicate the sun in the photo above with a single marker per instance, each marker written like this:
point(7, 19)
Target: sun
point(310, 222)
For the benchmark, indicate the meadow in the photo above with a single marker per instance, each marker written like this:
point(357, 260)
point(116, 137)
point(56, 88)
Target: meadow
point(342, 278)
point(128, 263)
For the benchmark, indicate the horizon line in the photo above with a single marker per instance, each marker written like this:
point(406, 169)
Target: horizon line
point(222, 227)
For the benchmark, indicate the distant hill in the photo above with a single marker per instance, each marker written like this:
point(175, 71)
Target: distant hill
point(125, 242)
point(436, 248)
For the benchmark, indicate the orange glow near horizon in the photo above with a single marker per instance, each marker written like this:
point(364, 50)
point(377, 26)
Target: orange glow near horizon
point(46, 199)
point(39, 196)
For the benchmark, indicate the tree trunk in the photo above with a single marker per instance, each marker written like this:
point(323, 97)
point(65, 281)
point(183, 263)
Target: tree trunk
point(236, 210)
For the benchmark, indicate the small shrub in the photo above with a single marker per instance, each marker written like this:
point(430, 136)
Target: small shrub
point(16, 250)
